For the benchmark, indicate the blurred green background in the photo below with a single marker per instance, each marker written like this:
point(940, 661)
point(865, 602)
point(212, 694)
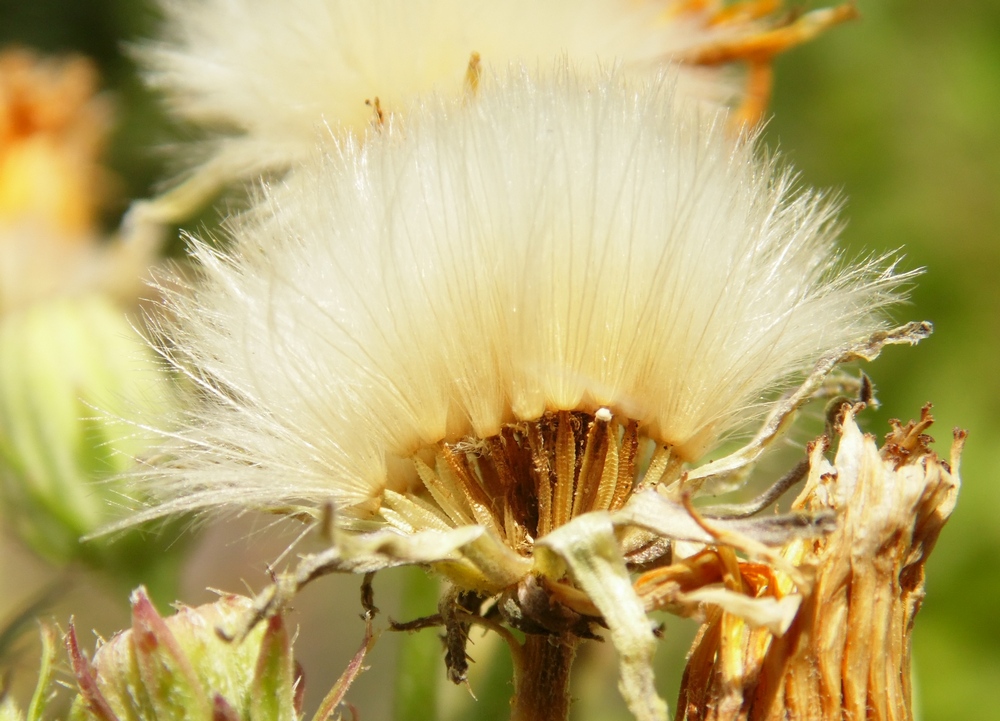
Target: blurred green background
point(900, 113)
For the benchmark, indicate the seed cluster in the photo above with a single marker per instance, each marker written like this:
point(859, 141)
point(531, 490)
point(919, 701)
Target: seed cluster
point(534, 477)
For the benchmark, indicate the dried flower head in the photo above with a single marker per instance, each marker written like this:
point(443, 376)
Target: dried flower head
point(263, 76)
point(847, 654)
point(480, 335)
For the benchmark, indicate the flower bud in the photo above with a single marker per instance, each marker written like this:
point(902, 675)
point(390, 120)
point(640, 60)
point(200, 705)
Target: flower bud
point(183, 668)
point(70, 369)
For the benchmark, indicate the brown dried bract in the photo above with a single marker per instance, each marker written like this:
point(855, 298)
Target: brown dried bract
point(847, 653)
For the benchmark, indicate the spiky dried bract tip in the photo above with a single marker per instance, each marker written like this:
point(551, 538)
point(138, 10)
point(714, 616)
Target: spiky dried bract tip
point(556, 246)
point(265, 74)
point(847, 654)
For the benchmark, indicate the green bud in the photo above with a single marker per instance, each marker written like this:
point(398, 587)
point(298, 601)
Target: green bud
point(182, 669)
point(70, 370)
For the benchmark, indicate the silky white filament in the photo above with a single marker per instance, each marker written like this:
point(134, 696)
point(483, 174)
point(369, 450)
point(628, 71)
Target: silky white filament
point(557, 244)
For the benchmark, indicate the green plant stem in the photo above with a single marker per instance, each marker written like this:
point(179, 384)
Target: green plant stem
point(420, 653)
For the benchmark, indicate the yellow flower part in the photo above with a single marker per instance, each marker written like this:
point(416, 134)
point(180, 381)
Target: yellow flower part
point(53, 129)
point(52, 132)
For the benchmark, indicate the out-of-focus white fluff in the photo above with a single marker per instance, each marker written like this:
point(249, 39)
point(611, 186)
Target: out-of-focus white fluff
point(558, 244)
point(269, 73)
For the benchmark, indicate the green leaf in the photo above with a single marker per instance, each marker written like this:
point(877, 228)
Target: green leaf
point(173, 687)
point(272, 695)
point(43, 692)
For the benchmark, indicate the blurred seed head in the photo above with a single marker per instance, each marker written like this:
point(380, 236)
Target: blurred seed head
point(261, 77)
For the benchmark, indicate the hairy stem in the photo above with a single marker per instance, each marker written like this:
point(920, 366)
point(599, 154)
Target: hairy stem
point(542, 679)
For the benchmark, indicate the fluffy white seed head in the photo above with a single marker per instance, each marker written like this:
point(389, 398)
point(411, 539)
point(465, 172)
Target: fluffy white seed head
point(268, 73)
point(554, 245)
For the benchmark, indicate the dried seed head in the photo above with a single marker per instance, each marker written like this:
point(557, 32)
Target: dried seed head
point(476, 333)
point(393, 310)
